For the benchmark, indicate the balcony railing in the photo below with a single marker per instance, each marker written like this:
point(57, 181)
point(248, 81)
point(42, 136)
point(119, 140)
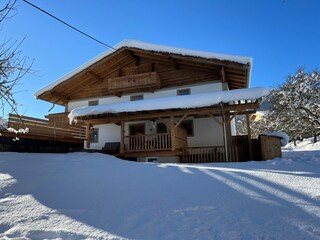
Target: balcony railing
point(209, 154)
point(148, 143)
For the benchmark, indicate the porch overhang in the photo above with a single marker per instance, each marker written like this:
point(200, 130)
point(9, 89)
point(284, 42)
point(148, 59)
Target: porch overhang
point(227, 104)
point(241, 100)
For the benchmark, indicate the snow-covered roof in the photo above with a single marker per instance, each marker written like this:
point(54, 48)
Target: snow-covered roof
point(172, 102)
point(284, 137)
point(148, 47)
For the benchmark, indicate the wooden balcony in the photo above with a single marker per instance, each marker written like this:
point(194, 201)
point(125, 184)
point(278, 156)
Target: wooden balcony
point(134, 83)
point(156, 142)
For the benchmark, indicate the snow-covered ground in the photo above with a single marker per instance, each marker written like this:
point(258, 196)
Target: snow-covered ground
point(95, 196)
point(305, 145)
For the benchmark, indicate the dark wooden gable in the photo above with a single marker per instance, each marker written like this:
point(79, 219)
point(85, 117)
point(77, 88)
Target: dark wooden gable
point(129, 70)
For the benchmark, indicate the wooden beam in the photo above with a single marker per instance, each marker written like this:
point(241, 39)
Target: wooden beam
point(133, 56)
point(88, 135)
point(214, 118)
point(225, 142)
point(178, 123)
point(175, 63)
point(184, 65)
point(232, 117)
point(249, 137)
point(173, 140)
point(163, 121)
point(228, 64)
point(119, 67)
point(61, 96)
point(122, 137)
point(94, 76)
point(109, 118)
point(223, 74)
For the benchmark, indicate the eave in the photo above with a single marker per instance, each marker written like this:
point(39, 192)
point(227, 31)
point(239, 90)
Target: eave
point(102, 68)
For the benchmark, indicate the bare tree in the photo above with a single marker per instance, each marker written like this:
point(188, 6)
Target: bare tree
point(13, 66)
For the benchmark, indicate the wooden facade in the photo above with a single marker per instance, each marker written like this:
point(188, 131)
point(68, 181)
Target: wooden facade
point(123, 71)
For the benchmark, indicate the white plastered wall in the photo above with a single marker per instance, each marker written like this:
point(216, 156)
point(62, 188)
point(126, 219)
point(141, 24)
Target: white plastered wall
point(107, 133)
point(207, 132)
point(210, 87)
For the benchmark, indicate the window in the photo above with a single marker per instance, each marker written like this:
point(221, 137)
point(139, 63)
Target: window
point(161, 127)
point(136, 97)
point(185, 91)
point(93, 102)
point(188, 125)
point(94, 135)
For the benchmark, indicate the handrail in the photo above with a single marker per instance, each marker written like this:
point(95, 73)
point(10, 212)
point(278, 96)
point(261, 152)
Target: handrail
point(147, 143)
point(42, 127)
point(209, 154)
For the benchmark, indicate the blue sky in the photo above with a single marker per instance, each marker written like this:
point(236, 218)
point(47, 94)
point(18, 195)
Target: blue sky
point(280, 35)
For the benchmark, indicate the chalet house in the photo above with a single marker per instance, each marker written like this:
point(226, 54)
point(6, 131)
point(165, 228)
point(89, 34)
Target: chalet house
point(158, 103)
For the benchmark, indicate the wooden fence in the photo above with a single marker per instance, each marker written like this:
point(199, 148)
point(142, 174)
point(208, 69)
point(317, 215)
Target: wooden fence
point(209, 154)
point(44, 129)
point(263, 148)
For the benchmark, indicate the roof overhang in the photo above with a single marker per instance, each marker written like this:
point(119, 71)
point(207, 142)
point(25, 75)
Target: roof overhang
point(240, 99)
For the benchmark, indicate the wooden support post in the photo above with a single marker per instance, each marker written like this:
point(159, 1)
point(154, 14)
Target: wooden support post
point(249, 137)
point(88, 135)
point(54, 129)
point(225, 142)
point(223, 74)
point(173, 136)
point(163, 121)
point(122, 137)
point(61, 96)
point(232, 117)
